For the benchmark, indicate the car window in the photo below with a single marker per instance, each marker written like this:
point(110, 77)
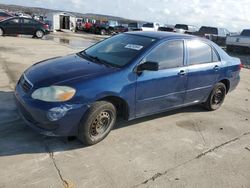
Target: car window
point(216, 58)
point(245, 32)
point(120, 49)
point(209, 30)
point(13, 21)
point(28, 21)
point(181, 26)
point(150, 25)
point(3, 14)
point(132, 25)
point(168, 55)
point(199, 52)
point(221, 32)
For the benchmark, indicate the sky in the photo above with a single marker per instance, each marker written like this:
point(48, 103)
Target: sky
point(231, 14)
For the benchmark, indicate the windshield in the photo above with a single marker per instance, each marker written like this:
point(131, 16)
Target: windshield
point(245, 33)
point(151, 25)
point(209, 30)
point(119, 50)
point(181, 26)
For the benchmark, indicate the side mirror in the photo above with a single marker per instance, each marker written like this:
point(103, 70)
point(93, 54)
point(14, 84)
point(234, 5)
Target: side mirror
point(150, 66)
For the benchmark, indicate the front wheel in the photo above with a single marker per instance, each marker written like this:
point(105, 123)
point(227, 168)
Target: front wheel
point(39, 34)
point(216, 97)
point(97, 123)
point(1, 32)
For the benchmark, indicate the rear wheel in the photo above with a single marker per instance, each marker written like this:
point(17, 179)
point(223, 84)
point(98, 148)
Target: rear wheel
point(1, 32)
point(39, 34)
point(97, 123)
point(216, 98)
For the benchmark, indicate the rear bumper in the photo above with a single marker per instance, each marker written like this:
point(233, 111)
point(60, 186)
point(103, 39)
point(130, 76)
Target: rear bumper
point(46, 32)
point(35, 116)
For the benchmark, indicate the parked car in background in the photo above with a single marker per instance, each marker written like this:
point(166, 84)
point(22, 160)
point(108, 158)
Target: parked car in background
point(240, 42)
point(134, 26)
point(215, 34)
point(105, 28)
point(150, 26)
point(120, 29)
point(132, 75)
point(24, 26)
point(79, 22)
point(87, 26)
point(185, 29)
point(23, 15)
point(167, 28)
point(4, 15)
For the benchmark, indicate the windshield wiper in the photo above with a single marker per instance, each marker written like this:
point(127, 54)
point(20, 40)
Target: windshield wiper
point(98, 60)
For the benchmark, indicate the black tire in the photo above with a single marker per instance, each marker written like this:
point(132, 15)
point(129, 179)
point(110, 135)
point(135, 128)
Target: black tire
point(97, 123)
point(216, 97)
point(1, 32)
point(39, 34)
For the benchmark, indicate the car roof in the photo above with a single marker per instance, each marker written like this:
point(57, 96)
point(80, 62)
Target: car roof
point(162, 34)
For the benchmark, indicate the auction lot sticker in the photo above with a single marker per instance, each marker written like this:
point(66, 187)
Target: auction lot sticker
point(134, 46)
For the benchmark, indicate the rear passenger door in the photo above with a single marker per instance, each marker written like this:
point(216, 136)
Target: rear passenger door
point(203, 70)
point(28, 26)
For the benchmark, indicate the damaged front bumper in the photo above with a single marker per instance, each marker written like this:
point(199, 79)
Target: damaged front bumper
point(51, 119)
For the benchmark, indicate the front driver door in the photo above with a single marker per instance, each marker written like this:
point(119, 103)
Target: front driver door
point(12, 26)
point(163, 89)
point(28, 26)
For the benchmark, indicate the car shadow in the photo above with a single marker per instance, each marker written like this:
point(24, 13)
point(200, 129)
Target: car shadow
point(17, 138)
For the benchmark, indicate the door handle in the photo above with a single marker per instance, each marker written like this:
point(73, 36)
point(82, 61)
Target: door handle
point(182, 72)
point(216, 67)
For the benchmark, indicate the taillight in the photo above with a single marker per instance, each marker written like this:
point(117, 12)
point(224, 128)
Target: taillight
point(241, 66)
point(46, 26)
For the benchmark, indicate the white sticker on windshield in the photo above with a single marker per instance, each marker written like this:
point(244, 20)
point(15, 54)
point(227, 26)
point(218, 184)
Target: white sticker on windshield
point(134, 46)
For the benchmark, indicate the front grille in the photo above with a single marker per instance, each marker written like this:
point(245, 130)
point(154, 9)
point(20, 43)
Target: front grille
point(25, 83)
point(47, 126)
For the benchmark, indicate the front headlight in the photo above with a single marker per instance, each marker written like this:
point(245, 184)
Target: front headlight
point(54, 93)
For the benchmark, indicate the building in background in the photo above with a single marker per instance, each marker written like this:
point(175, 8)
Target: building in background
point(62, 21)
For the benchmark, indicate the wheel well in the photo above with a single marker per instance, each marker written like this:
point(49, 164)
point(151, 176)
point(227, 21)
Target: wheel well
point(226, 83)
point(120, 104)
point(2, 29)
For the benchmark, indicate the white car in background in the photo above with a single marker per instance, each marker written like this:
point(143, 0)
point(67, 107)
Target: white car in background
point(185, 29)
point(241, 41)
point(153, 26)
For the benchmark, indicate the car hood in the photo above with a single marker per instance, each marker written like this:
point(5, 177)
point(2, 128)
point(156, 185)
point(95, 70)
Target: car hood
point(61, 69)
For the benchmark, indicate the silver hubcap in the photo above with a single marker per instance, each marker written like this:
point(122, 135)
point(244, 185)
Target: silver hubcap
point(100, 124)
point(39, 34)
point(1, 32)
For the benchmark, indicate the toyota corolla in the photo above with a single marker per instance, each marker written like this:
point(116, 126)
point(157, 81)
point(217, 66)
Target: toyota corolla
point(129, 75)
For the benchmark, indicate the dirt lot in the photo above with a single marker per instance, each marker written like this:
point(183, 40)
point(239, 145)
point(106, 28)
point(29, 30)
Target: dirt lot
point(183, 148)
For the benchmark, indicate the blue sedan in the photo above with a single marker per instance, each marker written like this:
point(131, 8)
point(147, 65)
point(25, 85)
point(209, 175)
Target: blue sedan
point(131, 75)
